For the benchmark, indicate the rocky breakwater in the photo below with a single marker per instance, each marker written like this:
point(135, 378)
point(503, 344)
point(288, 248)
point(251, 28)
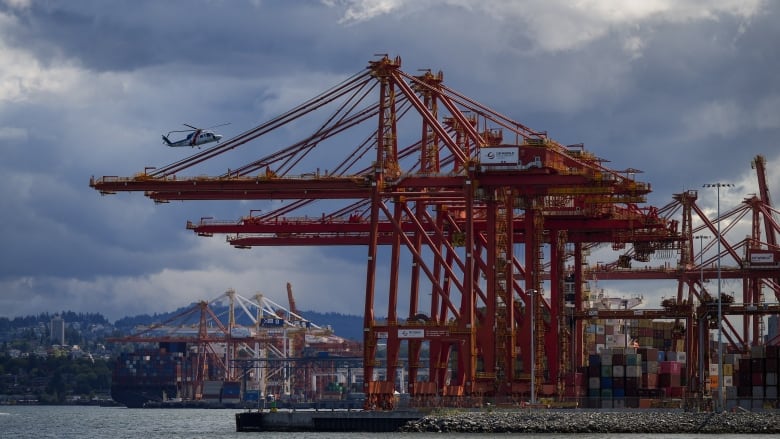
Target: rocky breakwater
point(595, 421)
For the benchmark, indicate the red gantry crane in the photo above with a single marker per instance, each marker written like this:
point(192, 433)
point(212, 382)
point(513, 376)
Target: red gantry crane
point(477, 212)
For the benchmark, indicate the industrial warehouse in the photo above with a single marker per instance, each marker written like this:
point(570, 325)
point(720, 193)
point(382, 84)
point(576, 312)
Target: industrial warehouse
point(480, 235)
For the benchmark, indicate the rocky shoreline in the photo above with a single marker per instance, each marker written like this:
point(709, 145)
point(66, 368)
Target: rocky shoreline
point(597, 421)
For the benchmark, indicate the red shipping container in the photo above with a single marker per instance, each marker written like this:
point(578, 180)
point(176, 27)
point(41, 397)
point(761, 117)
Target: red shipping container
point(670, 367)
point(574, 379)
point(757, 365)
point(758, 379)
point(668, 380)
point(649, 354)
point(676, 391)
point(649, 381)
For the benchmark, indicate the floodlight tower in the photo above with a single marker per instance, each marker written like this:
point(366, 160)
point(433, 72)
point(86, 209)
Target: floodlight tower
point(719, 405)
point(701, 239)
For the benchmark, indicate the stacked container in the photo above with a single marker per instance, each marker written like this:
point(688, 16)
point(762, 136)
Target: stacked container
point(231, 392)
point(749, 382)
point(212, 391)
point(633, 377)
point(615, 333)
point(614, 377)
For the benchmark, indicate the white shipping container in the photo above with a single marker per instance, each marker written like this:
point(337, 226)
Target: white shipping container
point(634, 371)
point(652, 367)
point(714, 369)
point(620, 340)
point(240, 332)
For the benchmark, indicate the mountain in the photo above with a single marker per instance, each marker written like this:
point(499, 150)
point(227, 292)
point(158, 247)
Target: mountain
point(347, 326)
point(343, 325)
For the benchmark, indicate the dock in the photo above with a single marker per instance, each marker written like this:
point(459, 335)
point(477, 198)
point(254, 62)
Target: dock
point(332, 421)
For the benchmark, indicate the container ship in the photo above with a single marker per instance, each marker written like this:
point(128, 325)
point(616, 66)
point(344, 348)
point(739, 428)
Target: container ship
point(148, 375)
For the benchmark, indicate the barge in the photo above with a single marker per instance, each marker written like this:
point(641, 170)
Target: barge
point(330, 421)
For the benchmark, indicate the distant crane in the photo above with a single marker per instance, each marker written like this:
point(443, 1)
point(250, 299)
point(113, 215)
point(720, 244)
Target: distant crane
point(291, 300)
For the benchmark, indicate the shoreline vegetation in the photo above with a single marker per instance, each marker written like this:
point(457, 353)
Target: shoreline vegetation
point(597, 421)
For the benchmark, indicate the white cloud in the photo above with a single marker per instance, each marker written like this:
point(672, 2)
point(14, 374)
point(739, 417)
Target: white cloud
point(261, 270)
point(367, 9)
point(559, 25)
point(765, 113)
point(726, 118)
point(23, 78)
point(721, 118)
point(18, 4)
point(13, 133)
point(633, 45)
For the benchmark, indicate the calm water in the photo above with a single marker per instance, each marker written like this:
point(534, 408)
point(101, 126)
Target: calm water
point(121, 423)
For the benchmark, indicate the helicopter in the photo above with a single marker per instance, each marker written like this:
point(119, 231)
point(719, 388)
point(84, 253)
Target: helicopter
point(196, 137)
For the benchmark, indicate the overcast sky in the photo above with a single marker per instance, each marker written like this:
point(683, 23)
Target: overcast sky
point(686, 91)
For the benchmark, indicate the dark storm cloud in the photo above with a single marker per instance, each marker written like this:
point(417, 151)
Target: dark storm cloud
point(230, 38)
point(690, 116)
